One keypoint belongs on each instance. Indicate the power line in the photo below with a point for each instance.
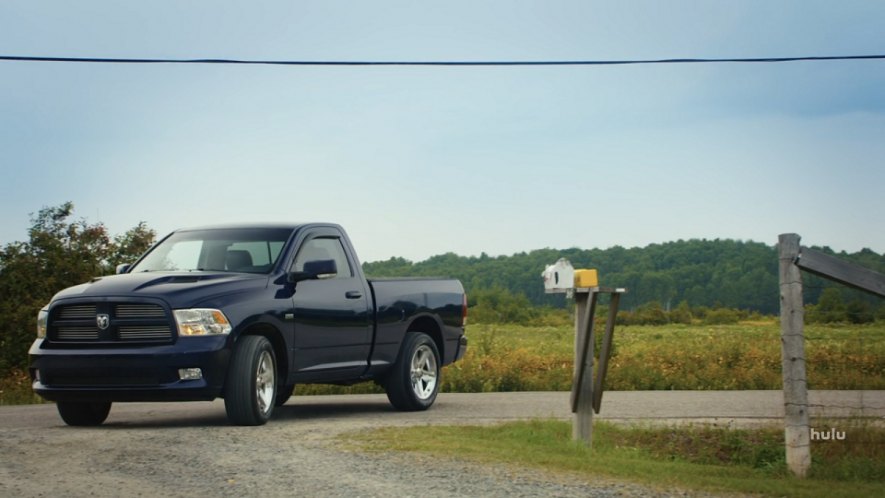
(106, 60)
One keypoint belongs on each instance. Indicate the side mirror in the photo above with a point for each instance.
(314, 270)
(123, 268)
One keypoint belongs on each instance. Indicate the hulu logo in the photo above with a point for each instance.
(830, 435)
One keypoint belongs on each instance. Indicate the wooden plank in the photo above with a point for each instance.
(582, 302)
(601, 290)
(583, 342)
(841, 271)
(582, 424)
(796, 428)
(605, 351)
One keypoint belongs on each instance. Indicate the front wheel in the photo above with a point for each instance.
(413, 382)
(251, 382)
(83, 414)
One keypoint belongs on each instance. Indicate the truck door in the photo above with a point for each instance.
(333, 322)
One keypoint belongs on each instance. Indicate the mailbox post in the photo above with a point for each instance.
(587, 387)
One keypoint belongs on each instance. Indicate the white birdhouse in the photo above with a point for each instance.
(559, 277)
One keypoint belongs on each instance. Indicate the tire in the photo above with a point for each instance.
(283, 394)
(251, 386)
(83, 414)
(413, 382)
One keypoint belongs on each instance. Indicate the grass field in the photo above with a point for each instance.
(722, 357)
(691, 357)
(687, 458)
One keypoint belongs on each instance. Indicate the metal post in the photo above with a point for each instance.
(796, 429)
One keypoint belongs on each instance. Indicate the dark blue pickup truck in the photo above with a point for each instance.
(244, 313)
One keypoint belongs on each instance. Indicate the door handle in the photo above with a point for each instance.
(353, 294)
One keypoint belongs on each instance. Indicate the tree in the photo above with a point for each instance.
(682, 314)
(132, 244)
(830, 308)
(60, 253)
(498, 305)
(858, 311)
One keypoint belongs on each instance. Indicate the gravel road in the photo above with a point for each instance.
(187, 449)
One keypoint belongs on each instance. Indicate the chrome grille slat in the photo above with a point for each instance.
(147, 332)
(139, 311)
(77, 333)
(77, 312)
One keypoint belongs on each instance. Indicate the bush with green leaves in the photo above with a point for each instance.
(60, 252)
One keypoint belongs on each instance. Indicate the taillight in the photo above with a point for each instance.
(464, 311)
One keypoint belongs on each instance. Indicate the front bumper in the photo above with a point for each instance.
(131, 373)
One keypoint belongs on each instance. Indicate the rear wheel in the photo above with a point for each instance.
(413, 382)
(251, 382)
(83, 414)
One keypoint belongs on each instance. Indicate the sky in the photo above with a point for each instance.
(419, 161)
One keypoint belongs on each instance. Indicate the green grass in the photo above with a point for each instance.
(694, 458)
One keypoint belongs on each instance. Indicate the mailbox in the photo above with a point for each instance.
(559, 277)
(586, 278)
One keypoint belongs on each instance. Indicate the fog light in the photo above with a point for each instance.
(190, 374)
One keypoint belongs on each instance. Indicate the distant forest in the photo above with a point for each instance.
(711, 273)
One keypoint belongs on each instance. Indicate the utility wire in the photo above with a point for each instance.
(105, 60)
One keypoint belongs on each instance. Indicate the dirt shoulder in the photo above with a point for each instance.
(178, 449)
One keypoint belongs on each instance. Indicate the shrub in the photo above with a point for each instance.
(722, 316)
(498, 305)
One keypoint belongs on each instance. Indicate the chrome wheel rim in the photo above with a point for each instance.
(423, 372)
(265, 382)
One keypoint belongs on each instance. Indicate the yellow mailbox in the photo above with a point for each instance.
(586, 278)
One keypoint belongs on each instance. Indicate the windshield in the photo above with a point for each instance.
(249, 250)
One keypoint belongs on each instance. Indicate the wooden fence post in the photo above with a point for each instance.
(582, 396)
(588, 385)
(796, 429)
(605, 351)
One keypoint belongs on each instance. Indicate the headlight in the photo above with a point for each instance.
(201, 321)
(42, 318)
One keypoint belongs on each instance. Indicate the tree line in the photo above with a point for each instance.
(719, 273)
(666, 282)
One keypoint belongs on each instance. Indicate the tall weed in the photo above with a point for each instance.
(745, 356)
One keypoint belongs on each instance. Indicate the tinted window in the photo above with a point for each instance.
(250, 250)
(324, 248)
(262, 252)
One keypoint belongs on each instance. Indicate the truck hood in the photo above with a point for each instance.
(178, 289)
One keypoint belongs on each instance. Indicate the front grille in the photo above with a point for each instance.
(125, 322)
(77, 333)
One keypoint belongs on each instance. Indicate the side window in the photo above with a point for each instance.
(324, 248)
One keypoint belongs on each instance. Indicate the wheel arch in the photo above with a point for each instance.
(275, 337)
(428, 325)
